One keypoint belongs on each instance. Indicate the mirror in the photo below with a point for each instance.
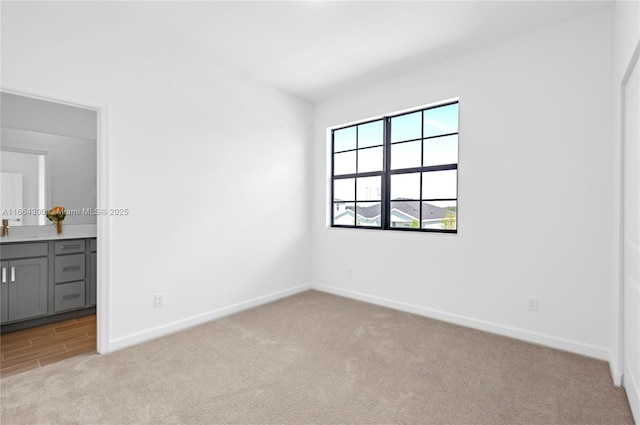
(24, 185)
(47, 158)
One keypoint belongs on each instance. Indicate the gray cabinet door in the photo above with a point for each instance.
(93, 279)
(69, 268)
(69, 247)
(69, 296)
(4, 292)
(27, 288)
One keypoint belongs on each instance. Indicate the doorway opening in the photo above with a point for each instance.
(49, 299)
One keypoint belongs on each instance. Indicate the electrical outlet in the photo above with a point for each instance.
(532, 304)
(158, 300)
(349, 273)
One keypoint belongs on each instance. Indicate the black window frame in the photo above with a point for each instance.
(386, 172)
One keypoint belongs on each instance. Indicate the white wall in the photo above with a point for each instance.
(535, 199)
(27, 113)
(212, 166)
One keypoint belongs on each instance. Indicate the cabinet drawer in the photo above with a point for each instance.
(69, 268)
(93, 246)
(24, 250)
(69, 295)
(69, 247)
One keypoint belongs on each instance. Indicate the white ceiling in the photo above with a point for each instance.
(312, 49)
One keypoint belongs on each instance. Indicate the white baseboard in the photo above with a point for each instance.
(632, 388)
(180, 325)
(616, 373)
(534, 337)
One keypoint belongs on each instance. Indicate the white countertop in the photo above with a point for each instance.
(46, 233)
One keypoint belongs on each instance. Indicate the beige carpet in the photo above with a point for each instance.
(316, 358)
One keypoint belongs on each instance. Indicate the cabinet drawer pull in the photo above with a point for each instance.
(71, 246)
(70, 296)
(13, 273)
(70, 268)
(4, 275)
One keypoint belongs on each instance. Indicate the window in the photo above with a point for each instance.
(397, 172)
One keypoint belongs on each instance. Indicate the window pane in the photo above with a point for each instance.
(344, 189)
(439, 215)
(406, 127)
(405, 155)
(344, 163)
(441, 150)
(343, 213)
(370, 134)
(368, 214)
(405, 214)
(439, 184)
(441, 120)
(386, 164)
(344, 139)
(368, 188)
(405, 186)
(370, 159)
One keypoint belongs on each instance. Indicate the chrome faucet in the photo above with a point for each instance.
(5, 228)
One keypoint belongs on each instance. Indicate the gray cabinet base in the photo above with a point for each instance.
(45, 320)
(55, 280)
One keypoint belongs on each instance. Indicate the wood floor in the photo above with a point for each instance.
(35, 347)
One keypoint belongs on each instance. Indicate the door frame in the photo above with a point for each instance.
(618, 359)
(103, 307)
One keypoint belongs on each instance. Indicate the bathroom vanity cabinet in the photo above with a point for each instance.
(46, 281)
